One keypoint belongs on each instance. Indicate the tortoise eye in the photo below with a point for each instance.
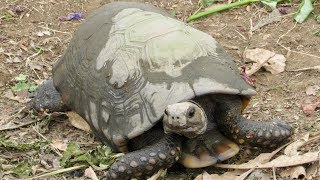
(191, 113)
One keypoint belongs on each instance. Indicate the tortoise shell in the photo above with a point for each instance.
(128, 61)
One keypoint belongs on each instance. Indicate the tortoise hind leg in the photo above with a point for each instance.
(147, 161)
(256, 133)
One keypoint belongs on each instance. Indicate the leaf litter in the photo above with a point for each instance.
(292, 159)
(272, 62)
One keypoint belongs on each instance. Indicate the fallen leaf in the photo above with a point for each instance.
(59, 144)
(274, 16)
(304, 10)
(72, 16)
(309, 108)
(292, 149)
(156, 176)
(272, 62)
(77, 121)
(281, 161)
(276, 64)
(89, 173)
(233, 175)
(312, 90)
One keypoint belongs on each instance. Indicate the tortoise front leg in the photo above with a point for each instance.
(147, 161)
(256, 133)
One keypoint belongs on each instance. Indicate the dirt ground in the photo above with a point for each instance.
(38, 27)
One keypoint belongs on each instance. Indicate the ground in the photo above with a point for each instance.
(33, 40)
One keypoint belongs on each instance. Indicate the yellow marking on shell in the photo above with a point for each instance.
(241, 141)
(237, 130)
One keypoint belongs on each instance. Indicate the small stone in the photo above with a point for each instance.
(152, 154)
(152, 161)
(133, 164)
(162, 156)
(139, 174)
(172, 152)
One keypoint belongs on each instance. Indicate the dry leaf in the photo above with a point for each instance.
(59, 144)
(312, 90)
(294, 159)
(292, 149)
(272, 62)
(233, 175)
(281, 161)
(274, 16)
(89, 173)
(276, 64)
(157, 175)
(77, 121)
(309, 108)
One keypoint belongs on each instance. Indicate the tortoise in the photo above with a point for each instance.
(157, 89)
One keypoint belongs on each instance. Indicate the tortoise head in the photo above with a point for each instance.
(185, 118)
(48, 98)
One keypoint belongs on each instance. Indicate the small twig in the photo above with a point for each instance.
(54, 148)
(32, 56)
(60, 171)
(306, 69)
(36, 74)
(17, 126)
(288, 49)
(243, 37)
(274, 173)
(244, 175)
(14, 115)
(156, 175)
(53, 30)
